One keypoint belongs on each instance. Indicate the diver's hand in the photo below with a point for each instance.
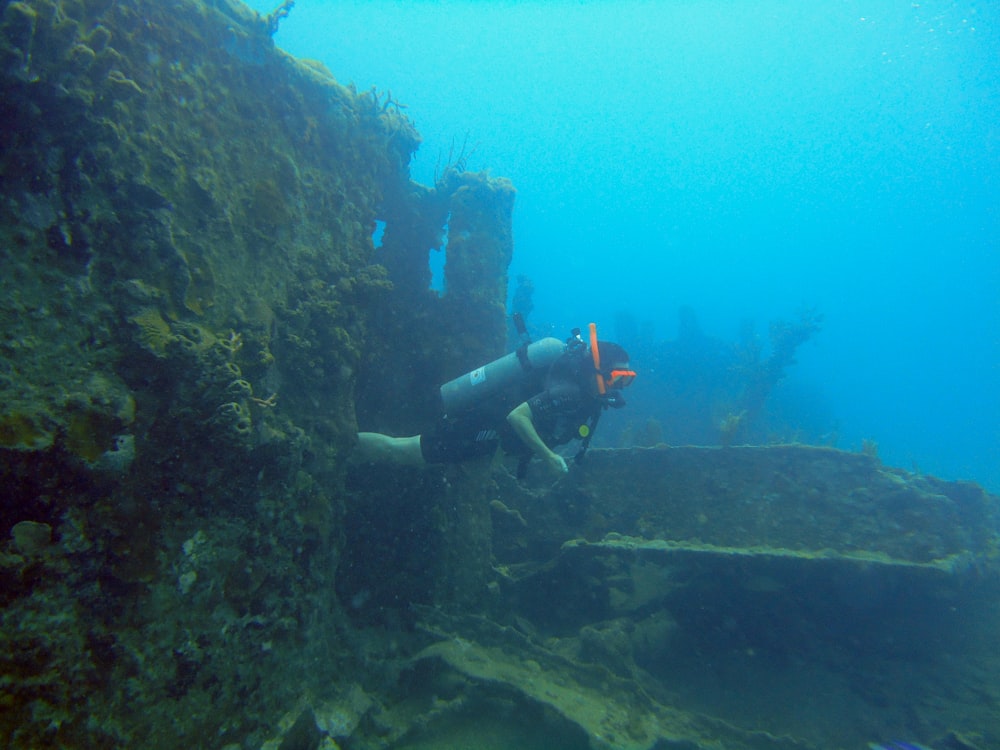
(557, 463)
(523, 424)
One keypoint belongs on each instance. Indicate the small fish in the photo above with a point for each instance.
(897, 746)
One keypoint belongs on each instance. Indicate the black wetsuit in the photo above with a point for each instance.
(561, 400)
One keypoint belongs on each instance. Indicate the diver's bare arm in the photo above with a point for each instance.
(524, 427)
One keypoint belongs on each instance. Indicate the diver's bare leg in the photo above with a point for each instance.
(374, 447)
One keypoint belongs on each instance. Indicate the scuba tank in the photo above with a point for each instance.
(473, 387)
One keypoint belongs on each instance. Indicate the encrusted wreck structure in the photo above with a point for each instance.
(196, 320)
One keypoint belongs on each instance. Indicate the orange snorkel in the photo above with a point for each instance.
(595, 354)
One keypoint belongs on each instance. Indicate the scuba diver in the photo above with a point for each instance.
(541, 396)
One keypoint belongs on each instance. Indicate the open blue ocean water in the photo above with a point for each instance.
(748, 160)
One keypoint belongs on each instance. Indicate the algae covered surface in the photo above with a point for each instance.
(196, 319)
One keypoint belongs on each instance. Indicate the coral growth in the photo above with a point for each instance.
(184, 292)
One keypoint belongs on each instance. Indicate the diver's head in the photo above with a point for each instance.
(615, 369)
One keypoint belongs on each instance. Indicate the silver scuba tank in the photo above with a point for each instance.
(472, 387)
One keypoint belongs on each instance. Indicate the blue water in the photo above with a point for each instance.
(747, 159)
